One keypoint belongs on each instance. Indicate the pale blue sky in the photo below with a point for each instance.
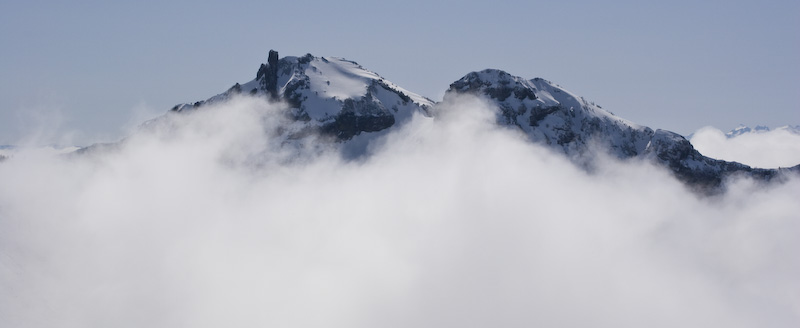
(83, 71)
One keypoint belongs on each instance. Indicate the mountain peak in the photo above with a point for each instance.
(568, 123)
(330, 94)
(495, 83)
(552, 115)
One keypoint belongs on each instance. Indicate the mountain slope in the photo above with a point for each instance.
(553, 116)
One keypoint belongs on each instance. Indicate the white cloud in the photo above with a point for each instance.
(776, 148)
(450, 222)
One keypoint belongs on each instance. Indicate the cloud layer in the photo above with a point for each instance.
(449, 222)
(772, 149)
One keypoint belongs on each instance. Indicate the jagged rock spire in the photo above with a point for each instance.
(268, 75)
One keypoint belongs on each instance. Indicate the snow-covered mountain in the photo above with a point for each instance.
(554, 116)
(330, 95)
(743, 129)
(338, 98)
(551, 115)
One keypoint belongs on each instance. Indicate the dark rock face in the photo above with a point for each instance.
(235, 89)
(701, 172)
(268, 75)
(347, 125)
(539, 113)
(291, 92)
(504, 86)
(361, 115)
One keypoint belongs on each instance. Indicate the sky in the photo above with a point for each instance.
(80, 72)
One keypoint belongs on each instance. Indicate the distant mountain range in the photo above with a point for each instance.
(350, 105)
(743, 129)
